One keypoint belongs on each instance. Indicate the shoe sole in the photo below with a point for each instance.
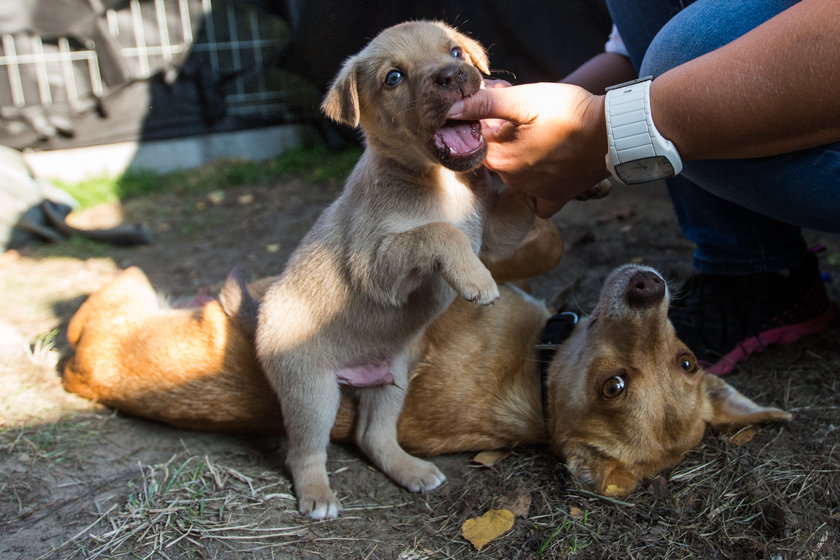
(784, 336)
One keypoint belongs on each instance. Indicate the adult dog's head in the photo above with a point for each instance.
(400, 87)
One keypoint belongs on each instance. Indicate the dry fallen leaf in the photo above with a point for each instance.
(518, 502)
(216, 197)
(246, 198)
(489, 458)
(575, 512)
(743, 437)
(481, 530)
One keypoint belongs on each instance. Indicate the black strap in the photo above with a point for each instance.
(557, 329)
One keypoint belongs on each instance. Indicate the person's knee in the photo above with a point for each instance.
(703, 27)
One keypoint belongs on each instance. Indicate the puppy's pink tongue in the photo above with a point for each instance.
(459, 137)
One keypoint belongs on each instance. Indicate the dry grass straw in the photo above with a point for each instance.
(188, 505)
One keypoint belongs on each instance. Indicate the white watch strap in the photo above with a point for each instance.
(632, 134)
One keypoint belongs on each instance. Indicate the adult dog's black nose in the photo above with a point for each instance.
(644, 288)
(450, 76)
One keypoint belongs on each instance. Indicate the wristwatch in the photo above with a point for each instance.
(637, 152)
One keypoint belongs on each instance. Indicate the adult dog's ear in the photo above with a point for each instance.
(729, 409)
(341, 103)
(477, 53)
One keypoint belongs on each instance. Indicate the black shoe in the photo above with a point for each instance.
(725, 319)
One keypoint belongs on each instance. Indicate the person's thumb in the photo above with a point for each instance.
(493, 103)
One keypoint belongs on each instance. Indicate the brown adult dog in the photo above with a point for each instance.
(388, 256)
(624, 396)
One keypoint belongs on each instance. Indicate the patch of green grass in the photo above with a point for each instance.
(57, 442)
(571, 528)
(75, 247)
(315, 163)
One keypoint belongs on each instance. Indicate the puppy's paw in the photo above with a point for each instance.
(479, 287)
(318, 504)
(417, 475)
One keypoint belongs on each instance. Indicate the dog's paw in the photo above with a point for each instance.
(417, 475)
(319, 505)
(480, 288)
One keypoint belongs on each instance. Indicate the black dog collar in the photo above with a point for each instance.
(557, 329)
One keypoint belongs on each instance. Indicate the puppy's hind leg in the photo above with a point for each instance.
(310, 402)
(376, 433)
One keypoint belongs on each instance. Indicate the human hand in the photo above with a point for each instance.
(551, 142)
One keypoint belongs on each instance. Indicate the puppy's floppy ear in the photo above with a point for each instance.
(341, 103)
(476, 52)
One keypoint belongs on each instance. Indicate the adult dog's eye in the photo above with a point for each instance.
(687, 362)
(456, 52)
(613, 387)
(393, 78)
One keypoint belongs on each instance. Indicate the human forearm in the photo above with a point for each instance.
(771, 91)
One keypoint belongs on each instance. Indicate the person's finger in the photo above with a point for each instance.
(497, 130)
(493, 103)
(495, 83)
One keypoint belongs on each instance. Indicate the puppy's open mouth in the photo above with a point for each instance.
(459, 144)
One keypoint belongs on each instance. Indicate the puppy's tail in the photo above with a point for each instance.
(238, 302)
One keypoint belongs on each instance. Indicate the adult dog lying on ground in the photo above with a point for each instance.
(388, 256)
(623, 398)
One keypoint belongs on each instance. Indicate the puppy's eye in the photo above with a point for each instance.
(613, 387)
(687, 362)
(456, 52)
(393, 78)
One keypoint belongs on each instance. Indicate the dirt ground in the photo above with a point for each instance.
(80, 481)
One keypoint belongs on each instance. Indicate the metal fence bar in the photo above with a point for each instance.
(96, 86)
(42, 76)
(139, 37)
(256, 51)
(19, 59)
(15, 83)
(163, 30)
(238, 43)
(66, 61)
(233, 33)
(210, 26)
(186, 21)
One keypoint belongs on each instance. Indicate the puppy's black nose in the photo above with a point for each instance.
(451, 75)
(644, 288)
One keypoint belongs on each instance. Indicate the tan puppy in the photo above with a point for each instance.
(624, 399)
(388, 256)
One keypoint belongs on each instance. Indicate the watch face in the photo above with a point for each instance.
(644, 170)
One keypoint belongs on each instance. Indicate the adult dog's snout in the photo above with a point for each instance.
(644, 288)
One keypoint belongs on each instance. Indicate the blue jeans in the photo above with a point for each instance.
(743, 215)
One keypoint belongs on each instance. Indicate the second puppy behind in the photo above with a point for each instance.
(388, 256)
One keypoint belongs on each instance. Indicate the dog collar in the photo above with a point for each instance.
(557, 329)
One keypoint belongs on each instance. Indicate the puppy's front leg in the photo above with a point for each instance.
(376, 433)
(404, 260)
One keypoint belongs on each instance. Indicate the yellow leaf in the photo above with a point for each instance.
(489, 458)
(575, 512)
(493, 524)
